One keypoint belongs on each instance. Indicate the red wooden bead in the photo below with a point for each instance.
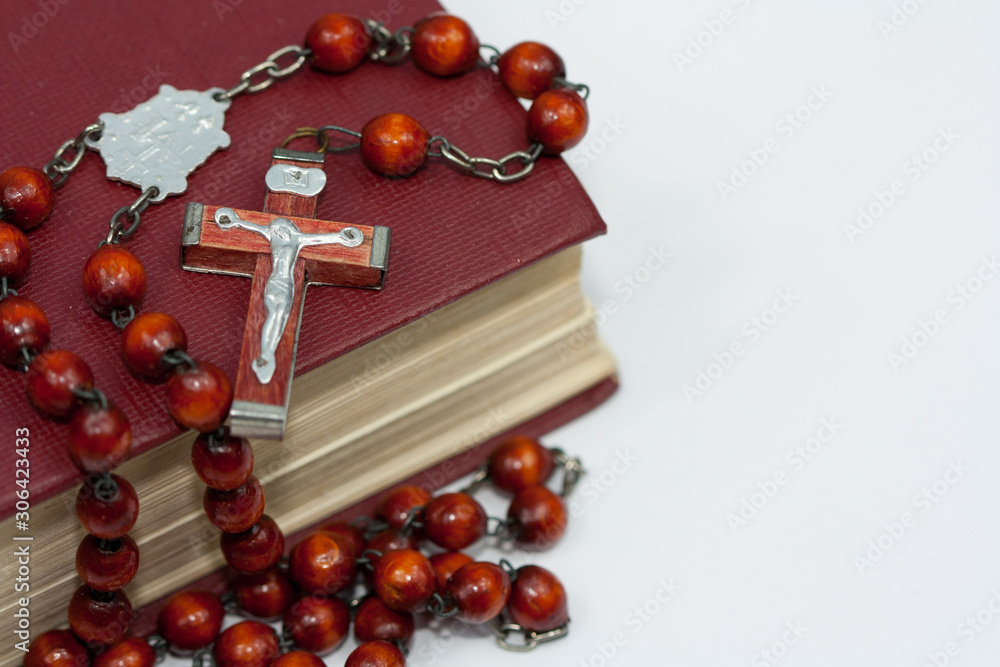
(322, 563)
(15, 254)
(107, 517)
(539, 515)
(255, 550)
(390, 539)
(374, 620)
(99, 438)
(298, 659)
(237, 510)
(446, 563)
(191, 619)
(56, 648)
(200, 397)
(146, 339)
(339, 42)
(396, 505)
(376, 654)
(537, 600)
(404, 580)
(22, 325)
(444, 45)
(246, 644)
(52, 378)
(480, 590)
(113, 278)
(266, 595)
(394, 144)
(520, 462)
(98, 617)
(454, 520)
(348, 532)
(224, 463)
(26, 196)
(127, 652)
(318, 623)
(107, 565)
(557, 120)
(529, 69)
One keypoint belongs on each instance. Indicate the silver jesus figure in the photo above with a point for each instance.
(286, 241)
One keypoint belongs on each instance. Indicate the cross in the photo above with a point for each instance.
(284, 249)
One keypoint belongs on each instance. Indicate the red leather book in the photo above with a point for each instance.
(451, 234)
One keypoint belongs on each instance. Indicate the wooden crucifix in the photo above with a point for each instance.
(283, 249)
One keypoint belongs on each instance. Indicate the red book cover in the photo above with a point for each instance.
(65, 64)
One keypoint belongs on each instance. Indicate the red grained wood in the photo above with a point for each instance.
(347, 531)
(98, 437)
(480, 590)
(339, 43)
(445, 564)
(374, 620)
(557, 120)
(396, 506)
(520, 462)
(318, 623)
(56, 648)
(267, 595)
(191, 619)
(127, 652)
(224, 464)
(199, 397)
(529, 69)
(454, 520)
(537, 600)
(237, 510)
(15, 254)
(255, 550)
(108, 519)
(246, 644)
(376, 654)
(22, 324)
(101, 618)
(146, 339)
(298, 659)
(113, 278)
(404, 580)
(107, 565)
(322, 563)
(394, 144)
(26, 196)
(444, 45)
(539, 517)
(52, 378)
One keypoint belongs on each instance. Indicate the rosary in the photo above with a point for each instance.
(283, 249)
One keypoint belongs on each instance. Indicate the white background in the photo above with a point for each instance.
(822, 553)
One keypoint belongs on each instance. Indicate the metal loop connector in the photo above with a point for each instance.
(505, 529)
(159, 645)
(492, 59)
(478, 480)
(262, 76)
(67, 158)
(442, 608)
(203, 658)
(322, 133)
(178, 358)
(5, 291)
(572, 470)
(106, 488)
(124, 229)
(581, 88)
(322, 139)
(121, 317)
(389, 48)
(92, 395)
(532, 639)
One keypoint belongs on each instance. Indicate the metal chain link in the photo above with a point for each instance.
(488, 168)
(581, 88)
(389, 48)
(572, 470)
(119, 231)
(261, 77)
(492, 59)
(532, 639)
(67, 158)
